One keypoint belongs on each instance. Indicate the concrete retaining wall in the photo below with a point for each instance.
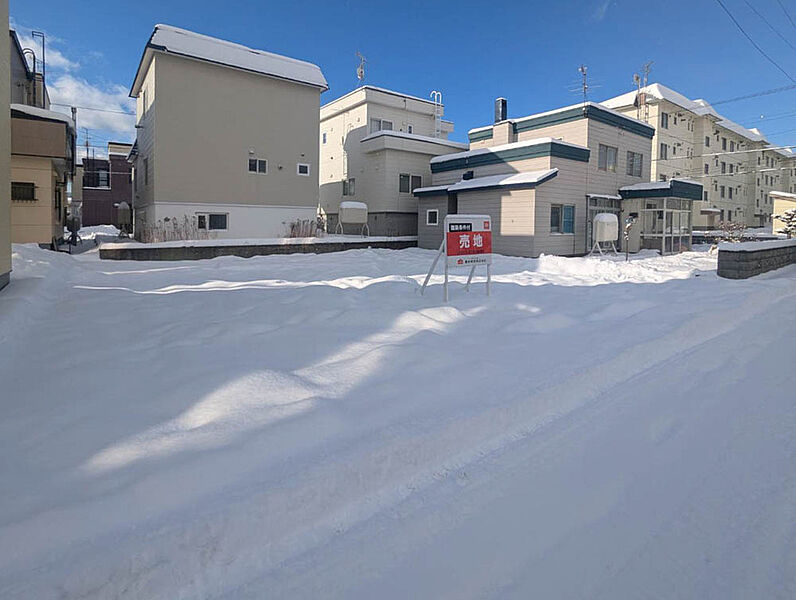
(154, 252)
(740, 261)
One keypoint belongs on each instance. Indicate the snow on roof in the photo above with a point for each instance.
(491, 149)
(605, 196)
(353, 204)
(502, 180)
(414, 136)
(563, 109)
(656, 185)
(188, 43)
(751, 246)
(785, 195)
(431, 189)
(382, 90)
(43, 113)
(698, 106)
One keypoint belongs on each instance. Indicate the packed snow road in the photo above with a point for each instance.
(310, 426)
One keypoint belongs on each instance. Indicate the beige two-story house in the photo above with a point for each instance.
(375, 147)
(227, 138)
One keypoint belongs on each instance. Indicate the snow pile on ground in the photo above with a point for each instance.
(305, 426)
(94, 232)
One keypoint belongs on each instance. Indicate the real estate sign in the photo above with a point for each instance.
(468, 240)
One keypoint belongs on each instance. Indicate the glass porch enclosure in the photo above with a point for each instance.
(666, 224)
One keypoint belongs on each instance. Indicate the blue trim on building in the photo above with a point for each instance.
(589, 111)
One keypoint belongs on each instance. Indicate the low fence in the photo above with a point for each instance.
(204, 249)
(747, 259)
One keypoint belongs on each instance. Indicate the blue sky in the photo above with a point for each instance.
(473, 52)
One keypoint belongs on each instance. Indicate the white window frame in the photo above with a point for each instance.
(608, 167)
(436, 217)
(380, 124)
(257, 170)
(298, 169)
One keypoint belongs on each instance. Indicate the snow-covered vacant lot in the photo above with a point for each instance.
(311, 427)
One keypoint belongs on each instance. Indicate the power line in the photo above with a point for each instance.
(748, 37)
(770, 26)
(787, 14)
(108, 110)
(785, 88)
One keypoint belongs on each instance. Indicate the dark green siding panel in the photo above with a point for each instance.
(480, 135)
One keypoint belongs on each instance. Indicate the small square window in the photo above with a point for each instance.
(218, 221)
(432, 217)
(201, 221)
(410, 129)
(417, 182)
(303, 169)
(324, 137)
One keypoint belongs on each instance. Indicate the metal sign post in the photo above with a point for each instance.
(466, 242)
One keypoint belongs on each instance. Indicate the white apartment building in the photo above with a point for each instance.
(227, 137)
(375, 147)
(694, 141)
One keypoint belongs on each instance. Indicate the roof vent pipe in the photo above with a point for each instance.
(501, 107)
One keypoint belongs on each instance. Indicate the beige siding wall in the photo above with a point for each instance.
(574, 132)
(512, 217)
(144, 183)
(605, 182)
(5, 151)
(35, 221)
(568, 187)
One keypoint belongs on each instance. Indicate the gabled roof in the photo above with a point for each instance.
(182, 42)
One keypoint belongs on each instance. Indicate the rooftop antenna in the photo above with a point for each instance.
(361, 68)
(436, 97)
(641, 82)
(585, 85)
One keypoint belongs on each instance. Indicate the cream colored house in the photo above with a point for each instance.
(42, 156)
(781, 201)
(693, 140)
(543, 178)
(227, 137)
(5, 154)
(375, 147)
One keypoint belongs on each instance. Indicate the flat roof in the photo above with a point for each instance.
(415, 137)
(181, 42)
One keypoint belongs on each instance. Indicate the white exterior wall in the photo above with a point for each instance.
(346, 121)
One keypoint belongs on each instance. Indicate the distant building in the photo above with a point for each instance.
(227, 136)
(5, 155)
(375, 147)
(42, 156)
(736, 165)
(543, 178)
(105, 183)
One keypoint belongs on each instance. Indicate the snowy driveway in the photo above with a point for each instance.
(310, 426)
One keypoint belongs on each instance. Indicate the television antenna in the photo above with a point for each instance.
(361, 68)
(585, 84)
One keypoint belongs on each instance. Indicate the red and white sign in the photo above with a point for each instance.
(468, 240)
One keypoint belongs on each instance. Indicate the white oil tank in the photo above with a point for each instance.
(353, 213)
(606, 228)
